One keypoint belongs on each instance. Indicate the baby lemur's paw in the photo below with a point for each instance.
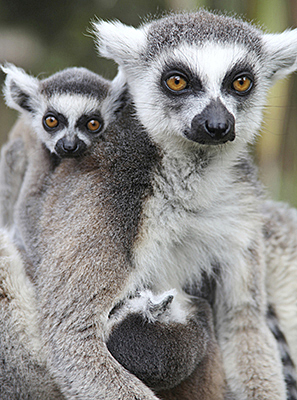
(156, 308)
(152, 307)
(163, 307)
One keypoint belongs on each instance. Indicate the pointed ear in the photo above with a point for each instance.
(121, 43)
(281, 53)
(20, 89)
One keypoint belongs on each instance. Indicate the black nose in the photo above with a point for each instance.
(217, 129)
(70, 147)
(215, 125)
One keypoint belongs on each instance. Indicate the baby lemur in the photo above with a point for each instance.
(66, 122)
(71, 101)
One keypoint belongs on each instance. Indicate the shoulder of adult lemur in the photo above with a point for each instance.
(199, 83)
(42, 178)
(23, 370)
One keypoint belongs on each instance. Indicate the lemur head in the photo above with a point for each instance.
(68, 110)
(199, 77)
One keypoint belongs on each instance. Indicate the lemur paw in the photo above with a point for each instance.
(162, 307)
(154, 307)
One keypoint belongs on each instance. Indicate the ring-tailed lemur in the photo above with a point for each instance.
(89, 192)
(200, 350)
(199, 83)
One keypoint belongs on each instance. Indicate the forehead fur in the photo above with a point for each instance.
(77, 81)
(198, 27)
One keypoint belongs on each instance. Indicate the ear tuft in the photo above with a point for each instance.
(282, 53)
(119, 42)
(20, 89)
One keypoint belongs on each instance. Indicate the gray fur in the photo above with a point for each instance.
(289, 369)
(23, 371)
(13, 164)
(82, 366)
(76, 81)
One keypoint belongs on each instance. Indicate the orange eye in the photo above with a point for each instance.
(176, 83)
(51, 122)
(242, 84)
(93, 125)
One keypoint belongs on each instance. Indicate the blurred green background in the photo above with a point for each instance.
(44, 37)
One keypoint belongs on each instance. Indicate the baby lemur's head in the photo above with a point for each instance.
(199, 78)
(68, 110)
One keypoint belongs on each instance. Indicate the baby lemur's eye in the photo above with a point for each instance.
(242, 84)
(50, 121)
(93, 125)
(176, 83)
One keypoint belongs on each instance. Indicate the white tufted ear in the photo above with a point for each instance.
(119, 42)
(281, 53)
(20, 89)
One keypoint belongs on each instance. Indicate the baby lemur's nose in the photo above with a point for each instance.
(214, 125)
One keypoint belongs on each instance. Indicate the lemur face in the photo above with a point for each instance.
(206, 95)
(200, 78)
(69, 124)
(65, 110)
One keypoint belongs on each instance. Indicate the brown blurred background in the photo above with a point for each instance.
(46, 36)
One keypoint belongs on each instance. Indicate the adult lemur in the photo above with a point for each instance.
(162, 206)
(198, 82)
(58, 112)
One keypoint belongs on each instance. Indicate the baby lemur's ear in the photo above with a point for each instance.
(20, 89)
(281, 53)
(119, 42)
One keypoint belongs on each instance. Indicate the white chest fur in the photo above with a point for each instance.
(200, 216)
